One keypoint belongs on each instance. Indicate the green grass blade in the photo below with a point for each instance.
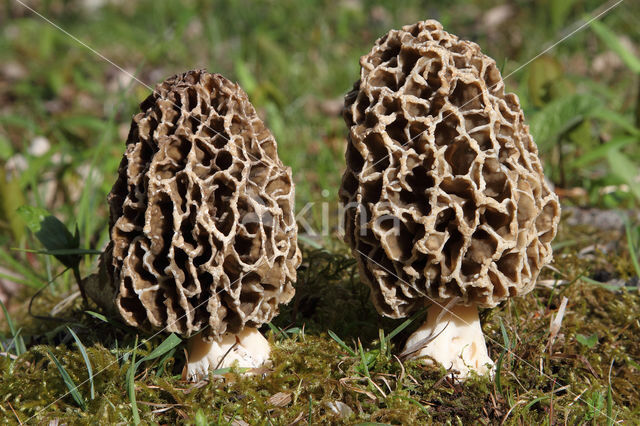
(83, 351)
(363, 360)
(607, 286)
(412, 401)
(68, 381)
(163, 348)
(340, 342)
(625, 169)
(131, 385)
(558, 116)
(226, 370)
(505, 336)
(162, 362)
(612, 41)
(167, 344)
(90, 190)
(372, 424)
(12, 327)
(18, 340)
(17, 280)
(608, 116)
(610, 399)
(16, 266)
(277, 330)
(601, 151)
(632, 248)
(498, 379)
(405, 324)
(534, 401)
(59, 252)
(383, 341)
(97, 315)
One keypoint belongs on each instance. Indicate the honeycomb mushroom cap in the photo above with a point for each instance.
(443, 187)
(201, 216)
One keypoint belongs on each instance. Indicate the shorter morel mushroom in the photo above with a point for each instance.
(203, 235)
(445, 199)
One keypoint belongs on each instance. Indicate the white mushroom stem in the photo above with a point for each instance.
(452, 336)
(249, 348)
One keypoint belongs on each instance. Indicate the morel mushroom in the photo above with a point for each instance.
(445, 199)
(203, 235)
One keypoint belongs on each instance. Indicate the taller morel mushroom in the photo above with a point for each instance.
(445, 199)
(203, 234)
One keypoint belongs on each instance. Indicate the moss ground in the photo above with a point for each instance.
(591, 370)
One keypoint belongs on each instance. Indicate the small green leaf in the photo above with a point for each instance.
(33, 216)
(68, 381)
(589, 342)
(293, 330)
(52, 233)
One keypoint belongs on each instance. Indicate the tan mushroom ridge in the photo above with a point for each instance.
(203, 235)
(445, 198)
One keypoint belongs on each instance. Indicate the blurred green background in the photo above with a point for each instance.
(65, 111)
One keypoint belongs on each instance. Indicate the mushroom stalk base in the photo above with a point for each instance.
(249, 348)
(452, 337)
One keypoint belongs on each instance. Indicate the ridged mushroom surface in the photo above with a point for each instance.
(202, 221)
(443, 186)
